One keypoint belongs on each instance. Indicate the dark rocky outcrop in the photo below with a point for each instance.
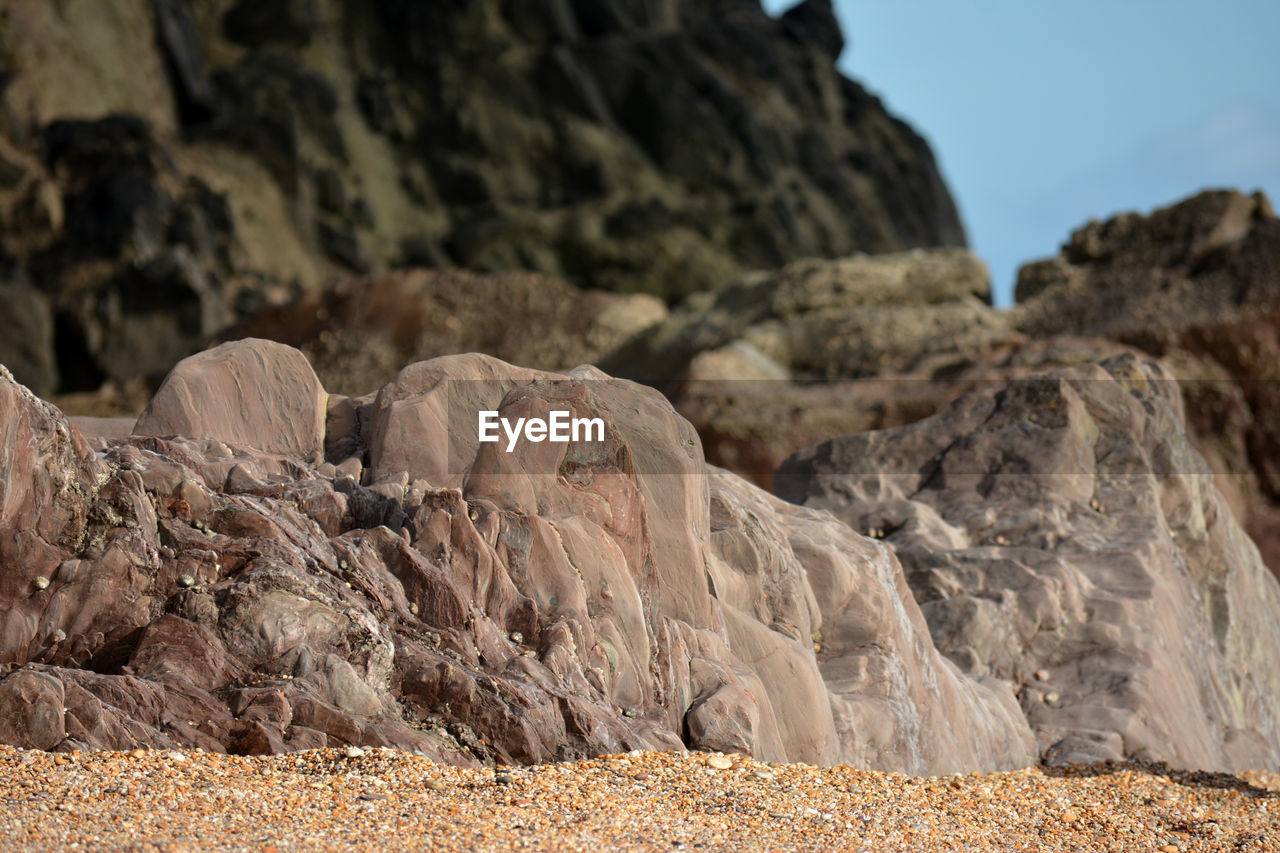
(1060, 532)
(441, 595)
(171, 167)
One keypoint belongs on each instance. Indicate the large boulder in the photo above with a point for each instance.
(464, 601)
(252, 392)
(1061, 532)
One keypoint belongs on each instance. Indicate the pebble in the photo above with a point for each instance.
(316, 800)
(1042, 675)
(41, 582)
(186, 581)
(719, 762)
(353, 752)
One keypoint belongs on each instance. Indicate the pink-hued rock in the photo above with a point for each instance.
(250, 392)
(478, 605)
(1061, 532)
(76, 537)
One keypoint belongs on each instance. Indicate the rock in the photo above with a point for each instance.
(180, 42)
(251, 392)
(1203, 260)
(172, 169)
(31, 710)
(814, 22)
(1193, 284)
(28, 349)
(254, 23)
(359, 333)
(853, 317)
(657, 603)
(1063, 522)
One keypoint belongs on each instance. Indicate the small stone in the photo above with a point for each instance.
(138, 753)
(41, 582)
(1002, 540)
(413, 607)
(59, 635)
(503, 779)
(1052, 697)
(186, 581)
(517, 637)
(342, 564)
(1070, 816)
(1042, 674)
(719, 762)
(174, 755)
(353, 752)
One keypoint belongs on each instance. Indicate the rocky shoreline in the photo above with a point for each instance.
(854, 558)
(259, 566)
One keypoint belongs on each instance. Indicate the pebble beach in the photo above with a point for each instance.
(375, 799)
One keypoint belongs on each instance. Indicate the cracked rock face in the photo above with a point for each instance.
(1060, 532)
(425, 591)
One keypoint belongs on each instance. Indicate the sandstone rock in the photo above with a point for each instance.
(1063, 522)
(852, 317)
(560, 600)
(251, 392)
(31, 710)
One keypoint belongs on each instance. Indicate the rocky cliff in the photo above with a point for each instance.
(170, 167)
(208, 581)
(257, 566)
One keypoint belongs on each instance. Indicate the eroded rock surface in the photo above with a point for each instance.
(453, 598)
(1060, 531)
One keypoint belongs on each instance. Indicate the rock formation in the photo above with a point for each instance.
(423, 590)
(778, 360)
(171, 167)
(1060, 532)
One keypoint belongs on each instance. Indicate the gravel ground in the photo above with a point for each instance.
(373, 799)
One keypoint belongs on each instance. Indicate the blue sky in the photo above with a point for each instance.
(1046, 113)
